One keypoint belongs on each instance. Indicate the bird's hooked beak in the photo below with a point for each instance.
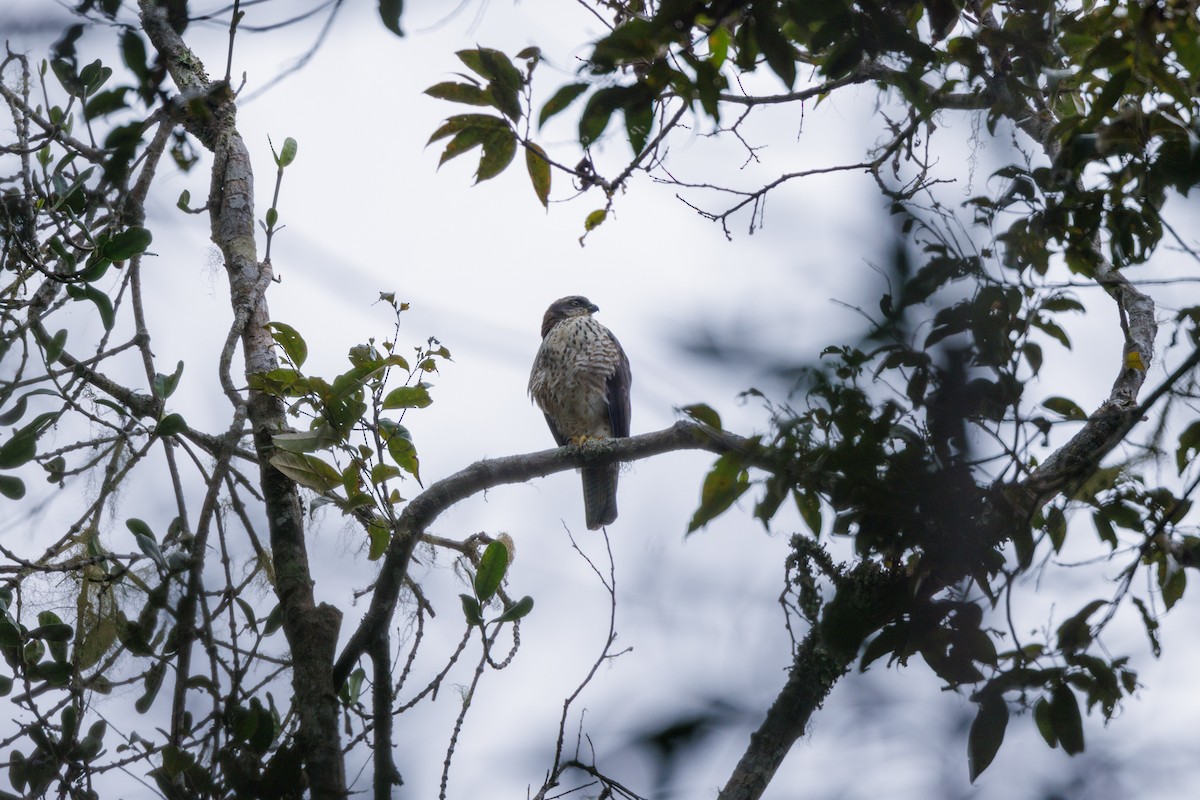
(592, 308)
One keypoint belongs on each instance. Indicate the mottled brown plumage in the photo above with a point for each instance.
(580, 380)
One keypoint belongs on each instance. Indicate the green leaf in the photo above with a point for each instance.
(599, 109)
(1045, 726)
(493, 65)
(492, 566)
(127, 244)
(539, 172)
(475, 130)
(408, 397)
(560, 100)
(48, 618)
(499, 149)
(465, 122)
(150, 547)
(10, 635)
(306, 470)
(809, 506)
(987, 732)
(151, 683)
(704, 414)
(274, 620)
(176, 760)
(170, 425)
(12, 487)
(470, 607)
(1172, 580)
(64, 192)
(1151, 625)
(1104, 528)
(724, 484)
(1108, 97)
(1053, 329)
(389, 12)
(352, 690)
(1062, 302)
(164, 385)
(1189, 445)
(507, 100)
(456, 92)
(1065, 407)
(380, 535)
(33, 651)
(133, 53)
(1056, 528)
(638, 40)
(718, 46)
(94, 75)
(65, 72)
(639, 119)
(595, 219)
(462, 142)
(517, 610)
(106, 103)
(56, 673)
(400, 447)
(90, 746)
(54, 632)
(265, 731)
(18, 410)
(54, 347)
(290, 340)
(1033, 355)
(1075, 633)
(103, 303)
(22, 447)
(382, 472)
(319, 438)
(287, 153)
(1066, 720)
(780, 54)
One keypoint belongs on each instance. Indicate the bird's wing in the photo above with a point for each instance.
(554, 431)
(618, 391)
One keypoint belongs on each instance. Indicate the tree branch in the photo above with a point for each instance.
(420, 513)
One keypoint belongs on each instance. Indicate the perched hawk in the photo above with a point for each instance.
(580, 380)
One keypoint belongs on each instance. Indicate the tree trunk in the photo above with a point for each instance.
(311, 630)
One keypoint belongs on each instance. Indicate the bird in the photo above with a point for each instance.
(580, 380)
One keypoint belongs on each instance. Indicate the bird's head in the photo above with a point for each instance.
(566, 307)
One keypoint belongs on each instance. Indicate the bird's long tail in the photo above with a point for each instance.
(600, 495)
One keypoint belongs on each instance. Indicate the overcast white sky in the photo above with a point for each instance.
(367, 210)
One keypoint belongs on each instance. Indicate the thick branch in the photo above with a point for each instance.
(809, 682)
(492, 472)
